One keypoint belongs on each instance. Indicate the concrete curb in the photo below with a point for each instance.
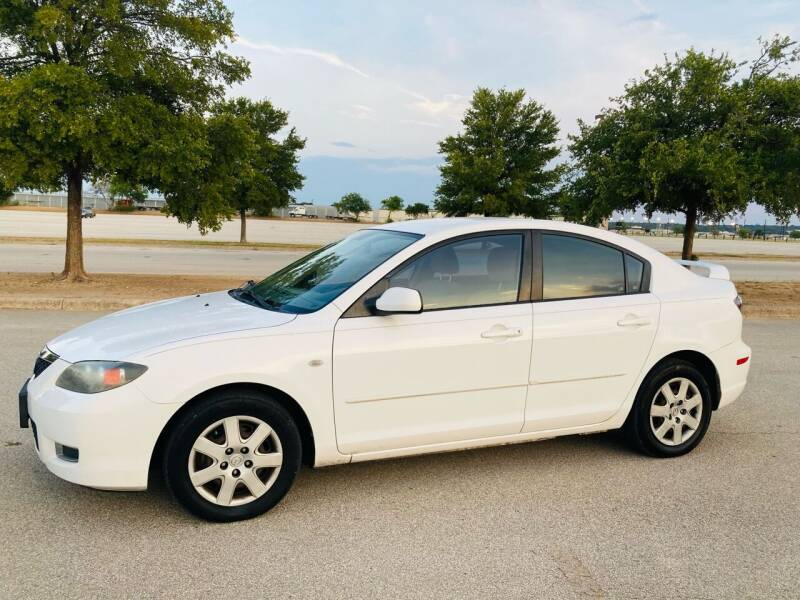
(69, 304)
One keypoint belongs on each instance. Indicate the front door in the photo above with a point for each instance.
(456, 371)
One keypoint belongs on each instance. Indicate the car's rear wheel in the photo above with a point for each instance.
(671, 412)
(232, 456)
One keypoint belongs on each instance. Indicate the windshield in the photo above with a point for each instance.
(314, 280)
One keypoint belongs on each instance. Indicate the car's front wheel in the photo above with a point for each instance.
(232, 456)
(671, 412)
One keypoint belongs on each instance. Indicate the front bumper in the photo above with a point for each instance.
(732, 376)
(115, 432)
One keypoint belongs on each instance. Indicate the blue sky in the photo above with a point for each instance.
(375, 85)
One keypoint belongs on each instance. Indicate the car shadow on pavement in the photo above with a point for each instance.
(330, 489)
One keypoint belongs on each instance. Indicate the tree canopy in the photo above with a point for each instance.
(689, 137)
(417, 209)
(97, 88)
(352, 204)
(119, 189)
(248, 168)
(392, 204)
(499, 163)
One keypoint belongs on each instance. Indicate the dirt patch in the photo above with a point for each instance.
(770, 299)
(109, 291)
(712, 256)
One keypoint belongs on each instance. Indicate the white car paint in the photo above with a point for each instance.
(382, 386)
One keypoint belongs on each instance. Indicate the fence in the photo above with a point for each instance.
(89, 201)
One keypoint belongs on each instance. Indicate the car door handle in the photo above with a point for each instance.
(633, 321)
(499, 331)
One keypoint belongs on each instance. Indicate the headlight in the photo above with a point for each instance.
(93, 376)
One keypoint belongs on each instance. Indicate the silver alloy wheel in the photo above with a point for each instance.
(676, 411)
(235, 460)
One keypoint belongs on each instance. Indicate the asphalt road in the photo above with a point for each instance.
(568, 518)
(301, 231)
(47, 258)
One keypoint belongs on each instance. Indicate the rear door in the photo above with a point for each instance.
(594, 323)
(456, 371)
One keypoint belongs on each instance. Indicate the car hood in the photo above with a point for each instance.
(122, 334)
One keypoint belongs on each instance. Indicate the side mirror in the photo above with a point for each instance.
(399, 300)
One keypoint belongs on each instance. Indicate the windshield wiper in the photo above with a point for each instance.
(246, 291)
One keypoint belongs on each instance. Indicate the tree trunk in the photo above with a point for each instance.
(688, 233)
(243, 229)
(73, 260)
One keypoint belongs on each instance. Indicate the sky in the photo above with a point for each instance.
(374, 86)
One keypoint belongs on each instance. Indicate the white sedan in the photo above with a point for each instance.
(413, 337)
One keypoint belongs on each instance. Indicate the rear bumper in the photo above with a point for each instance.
(115, 432)
(732, 372)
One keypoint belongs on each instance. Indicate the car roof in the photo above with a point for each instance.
(451, 226)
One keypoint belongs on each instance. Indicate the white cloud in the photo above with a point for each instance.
(450, 105)
(325, 57)
(359, 111)
(420, 123)
(403, 88)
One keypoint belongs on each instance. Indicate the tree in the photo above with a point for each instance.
(771, 128)
(680, 140)
(250, 169)
(352, 204)
(392, 203)
(5, 193)
(417, 209)
(119, 189)
(621, 226)
(498, 164)
(98, 88)
(795, 234)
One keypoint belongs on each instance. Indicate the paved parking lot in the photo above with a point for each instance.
(569, 518)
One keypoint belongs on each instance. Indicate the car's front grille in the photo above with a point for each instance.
(44, 360)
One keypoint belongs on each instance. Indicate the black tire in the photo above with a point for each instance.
(195, 420)
(637, 428)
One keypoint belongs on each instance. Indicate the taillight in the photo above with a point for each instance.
(738, 302)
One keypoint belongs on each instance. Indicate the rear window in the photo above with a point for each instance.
(634, 270)
(578, 268)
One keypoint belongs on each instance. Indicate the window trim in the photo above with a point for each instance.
(362, 306)
(538, 269)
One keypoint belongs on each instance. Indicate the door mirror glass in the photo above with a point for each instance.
(399, 300)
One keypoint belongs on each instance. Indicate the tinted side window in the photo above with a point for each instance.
(578, 268)
(634, 269)
(472, 272)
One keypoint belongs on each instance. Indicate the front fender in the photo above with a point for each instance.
(298, 364)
